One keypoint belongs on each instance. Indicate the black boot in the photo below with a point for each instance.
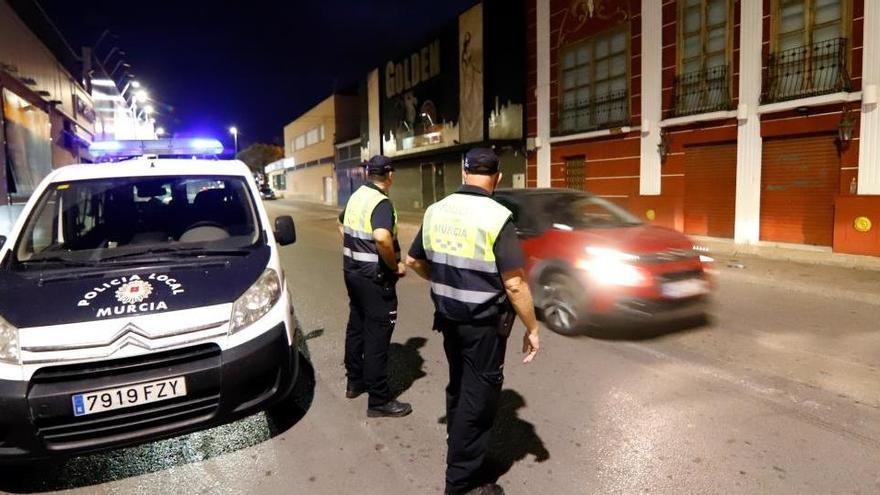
(391, 409)
(353, 390)
(487, 489)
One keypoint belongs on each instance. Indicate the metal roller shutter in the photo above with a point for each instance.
(799, 181)
(710, 189)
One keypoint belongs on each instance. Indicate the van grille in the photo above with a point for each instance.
(114, 367)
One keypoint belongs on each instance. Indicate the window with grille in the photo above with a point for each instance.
(575, 173)
(593, 83)
(703, 80)
(810, 54)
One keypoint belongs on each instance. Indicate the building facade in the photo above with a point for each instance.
(47, 118)
(752, 120)
(310, 153)
(460, 88)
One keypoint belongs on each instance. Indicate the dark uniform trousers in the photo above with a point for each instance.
(475, 352)
(373, 313)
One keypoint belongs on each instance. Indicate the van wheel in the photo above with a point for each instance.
(287, 412)
(562, 305)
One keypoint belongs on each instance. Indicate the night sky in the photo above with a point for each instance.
(254, 64)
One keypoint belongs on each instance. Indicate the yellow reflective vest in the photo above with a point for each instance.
(459, 234)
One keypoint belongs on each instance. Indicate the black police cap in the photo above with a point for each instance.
(481, 161)
(379, 164)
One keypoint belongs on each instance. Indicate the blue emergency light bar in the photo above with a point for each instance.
(160, 147)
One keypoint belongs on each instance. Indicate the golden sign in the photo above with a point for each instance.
(862, 224)
(651, 215)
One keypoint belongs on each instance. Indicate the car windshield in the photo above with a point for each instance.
(585, 212)
(96, 221)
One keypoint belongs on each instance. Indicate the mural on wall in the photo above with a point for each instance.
(580, 16)
(506, 121)
(28, 143)
(420, 98)
(470, 47)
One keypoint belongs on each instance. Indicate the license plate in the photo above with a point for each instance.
(684, 288)
(129, 396)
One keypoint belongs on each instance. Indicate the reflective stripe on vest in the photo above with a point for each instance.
(358, 256)
(357, 227)
(459, 234)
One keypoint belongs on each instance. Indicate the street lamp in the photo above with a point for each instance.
(234, 131)
(141, 96)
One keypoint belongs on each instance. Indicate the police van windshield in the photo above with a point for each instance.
(106, 220)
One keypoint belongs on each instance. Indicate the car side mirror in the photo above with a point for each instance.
(285, 231)
(2, 240)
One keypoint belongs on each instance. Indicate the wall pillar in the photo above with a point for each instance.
(651, 97)
(542, 92)
(749, 145)
(869, 136)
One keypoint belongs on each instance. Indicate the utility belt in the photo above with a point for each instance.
(503, 322)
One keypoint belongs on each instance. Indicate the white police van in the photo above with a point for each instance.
(141, 299)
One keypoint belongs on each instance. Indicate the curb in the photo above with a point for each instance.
(807, 255)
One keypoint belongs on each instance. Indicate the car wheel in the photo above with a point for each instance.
(562, 306)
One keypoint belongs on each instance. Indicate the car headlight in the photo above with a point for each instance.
(703, 252)
(612, 267)
(10, 351)
(256, 301)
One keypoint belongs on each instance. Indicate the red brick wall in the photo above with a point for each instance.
(612, 164)
(846, 238)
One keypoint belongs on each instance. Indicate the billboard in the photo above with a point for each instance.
(419, 97)
(28, 144)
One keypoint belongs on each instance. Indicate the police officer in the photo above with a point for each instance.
(468, 250)
(371, 262)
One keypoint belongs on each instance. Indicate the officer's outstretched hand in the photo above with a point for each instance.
(531, 343)
(401, 270)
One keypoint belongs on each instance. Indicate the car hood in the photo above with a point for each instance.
(640, 240)
(34, 300)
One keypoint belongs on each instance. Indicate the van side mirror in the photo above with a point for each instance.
(2, 240)
(285, 231)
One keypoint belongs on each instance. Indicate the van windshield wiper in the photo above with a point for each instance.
(179, 253)
(59, 261)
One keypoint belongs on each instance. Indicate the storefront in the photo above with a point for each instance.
(46, 116)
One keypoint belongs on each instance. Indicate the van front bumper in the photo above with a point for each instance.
(37, 421)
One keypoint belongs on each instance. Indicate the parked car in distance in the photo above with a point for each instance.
(266, 192)
(591, 263)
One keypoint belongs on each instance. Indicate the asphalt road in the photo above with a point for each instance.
(780, 393)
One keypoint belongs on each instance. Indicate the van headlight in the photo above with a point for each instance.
(10, 352)
(256, 301)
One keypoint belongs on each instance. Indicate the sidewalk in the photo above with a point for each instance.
(805, 270)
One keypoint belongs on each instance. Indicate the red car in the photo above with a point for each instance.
(592, 263)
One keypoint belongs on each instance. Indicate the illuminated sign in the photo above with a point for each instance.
(419, 67)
